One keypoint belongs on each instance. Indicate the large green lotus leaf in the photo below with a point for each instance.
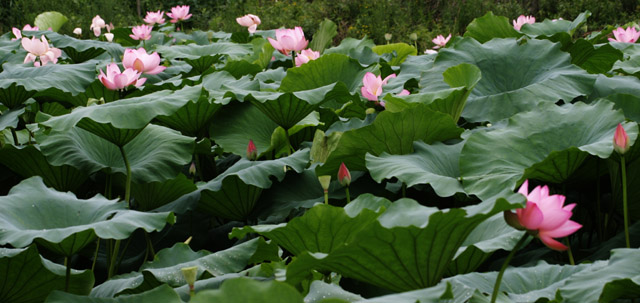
(287, 109)
(491, 235)
(357, 49)
(393, 133)
(52, 20)
(435, 164)
(152, 195)
(594, 59)
(234, 193)
(121, 121)
(193, 51)
(158, 154)
(28, 277)
(163, 293)
(408, 247)
(606, 86)
(327, 69)
(462, 78)
(242, 290)
(19, 82)
(490, 26)
(320, 291)
(551, 27)
(547, 144)
(80, 50)
(65, 224)
(400, 51)
(237, 123)
(193, 118)
(28, 161)
(323, 228)
(167, 264)
(544, 74)
(323, 37)
(629, 104)
(10, 118)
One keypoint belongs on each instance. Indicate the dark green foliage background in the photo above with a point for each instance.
(374, 18)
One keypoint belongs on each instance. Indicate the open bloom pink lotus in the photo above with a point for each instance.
(139, 60)
(306, 55)
(544, 216)
(39, 49)
(630, 35)
(372, 88)
(97, 24)
(154, 17)
(522, 19)
(141, 32)
(179, 13)
(288, 40)
(116, 80)
(440, 41)
(620, 140)
(250, 21)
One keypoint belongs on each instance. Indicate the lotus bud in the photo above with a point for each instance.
(108, 36)
(252, 151)
(413, 36)
(325, 181)
(77, 31)
(190, 274)
(620, 140)
(344, 176)
(388, 37)
(192, 169)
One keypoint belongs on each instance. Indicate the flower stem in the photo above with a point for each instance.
(346, 189)
(293, 58)
(15, 136)
(114, 259)
(67, 279)
(95, 256)
(127, 188)
(496, 287)
(571, 260)
(326, 196)
(624, 200)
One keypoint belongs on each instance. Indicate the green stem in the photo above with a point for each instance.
(496, 287)
(404, 190)
(346, 189)
(114, 260)
(127, 188)
(107, 187)
(149, 246)
(326, 197)
(624, 201)
(293, 58)
(15, 136)
(67, 278)
(126, 246)
(598, 206)
(290, 148)
(95, 256)
(571, 260)
(198, 167)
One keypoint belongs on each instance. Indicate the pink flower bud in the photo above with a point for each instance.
(620, 140)
(344, 176)
(252, 151)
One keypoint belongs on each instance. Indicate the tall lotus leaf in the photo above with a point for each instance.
(52, 20)
(629, 104)
(163, 293)
(28, 277)
(320, 291)
(393, 133)
(548, 144)
(606, 86)
(327, 69)
(435, 164)
(550, 27)
(65, 224)
(202, 57)
(193, 118)
(17, 81)
(10, 118)
(357, 49)
(152, 195)
(243, 290)
(121, 121)
(158, 154)
(408, 247)
(167, 264)
(240, 68)
(81, 50)
(594, 59)
(28, 161)
(462, 78)
(323, 37)
(544, 74)
(234, 193)
(489, 27)
(400, 51)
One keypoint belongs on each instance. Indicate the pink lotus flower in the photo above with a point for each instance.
(344, 176)
(372, 88)
(252, 151)
(141, 32)
(306, 55)
(250, 21)
(97, 24)
(522, 19)
(154, 17)
(179, 13)
(620, 140)
(116, 80)
(440, 41)
(544, 216)
(142, 62)
(630, 35)
(39, 49)
(28, 27)
(17, 33)
(288, 40)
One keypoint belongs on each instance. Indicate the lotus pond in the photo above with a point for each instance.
(164, 164)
